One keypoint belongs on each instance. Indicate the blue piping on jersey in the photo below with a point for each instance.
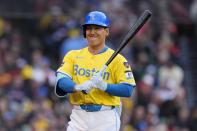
(103, 50)
(121, 90)
(61, 73)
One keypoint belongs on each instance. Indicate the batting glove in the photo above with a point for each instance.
(98, 81)
(88, 85)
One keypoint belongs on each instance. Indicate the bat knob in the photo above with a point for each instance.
(84, 92)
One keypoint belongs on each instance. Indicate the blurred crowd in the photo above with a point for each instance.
(36, 34)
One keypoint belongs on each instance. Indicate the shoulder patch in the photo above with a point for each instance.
(129, 75)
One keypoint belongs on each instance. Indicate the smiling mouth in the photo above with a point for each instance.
(93, 37)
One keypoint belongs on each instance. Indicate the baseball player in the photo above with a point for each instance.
(98, 108)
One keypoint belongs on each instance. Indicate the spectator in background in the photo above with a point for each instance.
(169, 72)
(74, 42)
(193, 119)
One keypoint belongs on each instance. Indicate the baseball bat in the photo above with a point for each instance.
(134, 29)
(132, 32)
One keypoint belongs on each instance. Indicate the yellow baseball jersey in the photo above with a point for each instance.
(81, 65)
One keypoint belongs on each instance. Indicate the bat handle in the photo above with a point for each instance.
(103, 69)
(84, 92)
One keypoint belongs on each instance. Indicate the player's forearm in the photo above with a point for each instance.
(66, 84)
(122, 90)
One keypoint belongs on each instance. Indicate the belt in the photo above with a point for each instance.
(93, 108)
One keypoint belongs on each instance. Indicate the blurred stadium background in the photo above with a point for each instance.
(35, 34)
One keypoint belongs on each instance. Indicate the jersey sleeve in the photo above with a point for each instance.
(67, 65)
(123, 71)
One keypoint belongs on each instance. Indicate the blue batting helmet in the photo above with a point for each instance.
(95, 18)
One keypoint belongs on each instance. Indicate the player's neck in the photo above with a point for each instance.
(95, 49)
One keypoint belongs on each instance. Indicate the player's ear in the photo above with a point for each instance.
(107, 30)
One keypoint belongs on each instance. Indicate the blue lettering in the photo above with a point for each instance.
(81, 72)
(75, 69)
(87, 73)
(93, 70)
(106, 75)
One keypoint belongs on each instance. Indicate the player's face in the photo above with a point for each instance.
(96, 35)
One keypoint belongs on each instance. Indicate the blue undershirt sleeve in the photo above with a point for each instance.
(66, 84)
(121, 90)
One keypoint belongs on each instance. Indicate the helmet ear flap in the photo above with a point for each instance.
(84, 31)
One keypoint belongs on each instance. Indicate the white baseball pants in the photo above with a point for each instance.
(106, 120)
